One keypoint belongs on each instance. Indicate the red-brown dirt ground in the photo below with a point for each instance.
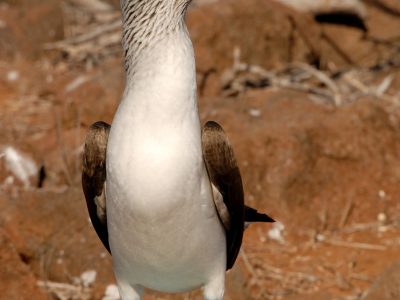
(318, 148)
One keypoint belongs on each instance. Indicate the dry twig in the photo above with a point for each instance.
(363, 246)
(65, 291)
(346, 212)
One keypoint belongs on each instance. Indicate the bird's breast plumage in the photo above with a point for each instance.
(160, 211)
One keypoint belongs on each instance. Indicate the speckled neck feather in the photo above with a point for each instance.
(146, 22)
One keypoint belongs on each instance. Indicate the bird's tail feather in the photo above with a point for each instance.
(252, 215)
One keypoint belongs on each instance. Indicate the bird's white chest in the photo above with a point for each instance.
(153, 173)
(160, 211)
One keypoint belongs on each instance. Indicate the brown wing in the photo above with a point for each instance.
(94, 176)
(225, 176)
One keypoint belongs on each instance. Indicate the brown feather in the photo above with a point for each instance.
(225, 176)
(226, 182)
(94, 176)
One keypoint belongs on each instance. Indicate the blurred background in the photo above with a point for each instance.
(308, 92)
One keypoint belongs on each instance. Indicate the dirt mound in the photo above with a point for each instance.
(304, 151)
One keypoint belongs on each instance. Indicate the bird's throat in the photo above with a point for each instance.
(146, 24)
(160, 87)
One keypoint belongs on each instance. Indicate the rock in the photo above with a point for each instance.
(261, 29)
(270, 34)
(387, 285)
(267, 34)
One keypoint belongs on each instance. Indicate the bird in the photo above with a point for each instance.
(164, 194)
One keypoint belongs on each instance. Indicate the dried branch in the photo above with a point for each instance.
(363, 246)
(355, 7)
(326, 85)
(65, 291)
(346, 212)
(92, 6)
(93, 34)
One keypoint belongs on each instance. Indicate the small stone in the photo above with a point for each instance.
(111, 293)
(12, 75)
(275, 233)
(382, 217)
(255, 113)
(320, 237)
(88, 277)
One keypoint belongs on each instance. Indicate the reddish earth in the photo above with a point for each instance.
(330, 174)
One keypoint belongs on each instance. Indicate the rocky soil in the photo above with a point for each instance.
(310, 103)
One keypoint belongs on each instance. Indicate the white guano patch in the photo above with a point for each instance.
(20, 165)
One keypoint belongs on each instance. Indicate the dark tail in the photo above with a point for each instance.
(252, 215)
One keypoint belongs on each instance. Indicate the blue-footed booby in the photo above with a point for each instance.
(165, 197)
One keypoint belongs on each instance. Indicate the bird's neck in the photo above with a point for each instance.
(159, 60)
(146, 23)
